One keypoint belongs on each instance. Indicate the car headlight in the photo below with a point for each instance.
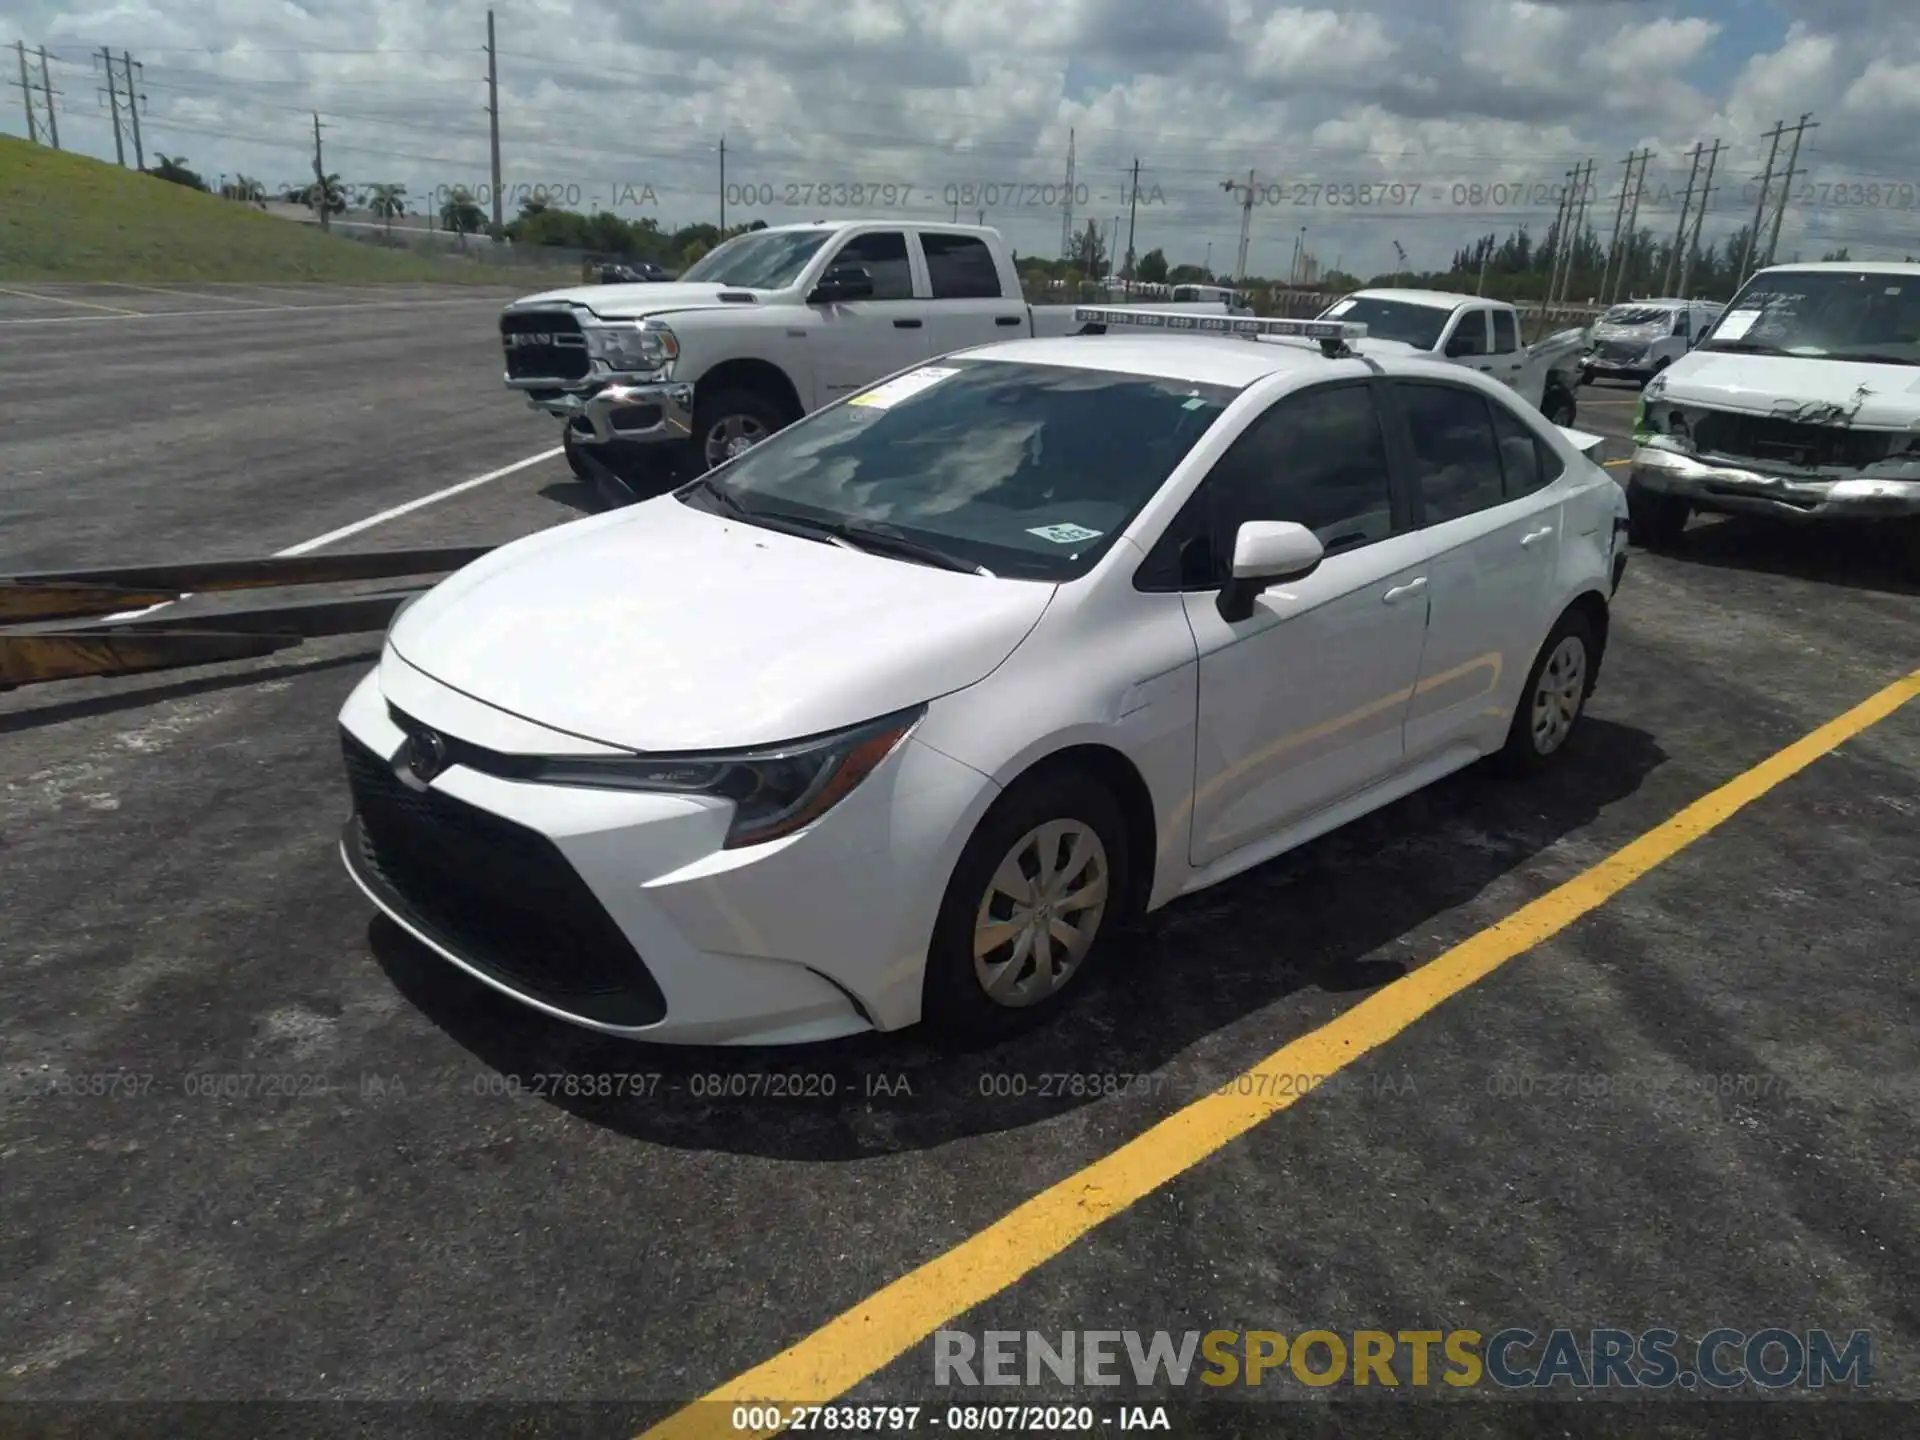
(775, 790)
(641, 345)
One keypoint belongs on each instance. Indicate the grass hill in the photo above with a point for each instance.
(69, 217)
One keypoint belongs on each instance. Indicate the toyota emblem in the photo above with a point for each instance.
(426, 755)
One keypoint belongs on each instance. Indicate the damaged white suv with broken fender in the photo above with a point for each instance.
(1802, 405)
(900, 714)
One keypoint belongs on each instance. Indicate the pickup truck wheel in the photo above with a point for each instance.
(1560, 406)
(574, 462)
(731, 422)
(1654, 521)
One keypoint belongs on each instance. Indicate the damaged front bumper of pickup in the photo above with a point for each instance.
(1737, 485)
(642, 413)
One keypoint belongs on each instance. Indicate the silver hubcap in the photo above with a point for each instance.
(1559, 695)
(1040, 914)
(733, 436)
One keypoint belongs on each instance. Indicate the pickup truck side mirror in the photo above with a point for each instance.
(1266, 552)
(842, 282)
(1461, 343)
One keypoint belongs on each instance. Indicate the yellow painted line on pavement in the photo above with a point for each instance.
(883, 1327)
(1611, 463)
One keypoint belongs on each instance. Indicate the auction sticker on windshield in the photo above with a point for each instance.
(1734, 324)
(1064, 534)
(902, 386)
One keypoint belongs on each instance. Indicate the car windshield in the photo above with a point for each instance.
(1404, 320)
(1636, 315)
(1028, 471)
(1824, 314)
(760, 260)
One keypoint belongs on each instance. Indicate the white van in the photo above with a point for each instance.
(1235, 302)
(1639, 339)
(1802, 404)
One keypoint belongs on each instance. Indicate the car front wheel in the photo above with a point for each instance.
(1030, 907)
(730, 423)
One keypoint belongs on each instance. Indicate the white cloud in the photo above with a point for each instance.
(938, 95)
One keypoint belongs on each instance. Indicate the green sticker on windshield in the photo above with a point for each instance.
(1064, 534)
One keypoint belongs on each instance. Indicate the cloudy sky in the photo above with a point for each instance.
(1421, 122)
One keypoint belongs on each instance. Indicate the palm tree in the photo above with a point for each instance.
(461, 215)
(244, 188)
(387, 201)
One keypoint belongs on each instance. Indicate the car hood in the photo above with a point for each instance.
(664, 628)
(630, 301)
(1878, 397)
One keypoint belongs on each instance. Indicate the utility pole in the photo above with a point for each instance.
(1066, 209)
(1246, 222)
(723, 185)
(133, 110)
(46, 90)
(1582, 185)
(1633, 229)
(1680, 234)
(26, 93)
(493, 124)
(1786, 184)
(113, 98)
(1620, 227)
(1766, 184)
(1699, 215)
(1133, 200)
(321, 197)
(1562, 225)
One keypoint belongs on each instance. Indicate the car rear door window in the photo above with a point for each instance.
(960, 267)
(1456, 457)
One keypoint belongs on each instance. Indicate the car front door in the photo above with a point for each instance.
(966, 306)
(1491, 518)
(856, 342)
(1302, 703)
(1467, 341)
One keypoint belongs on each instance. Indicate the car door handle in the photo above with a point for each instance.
(1006, 320)
(906, 324)
(1400, 592)
(1534, 537)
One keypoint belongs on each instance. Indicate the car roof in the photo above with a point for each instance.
(1847, 267)
(1196, 359)
(1446, 298)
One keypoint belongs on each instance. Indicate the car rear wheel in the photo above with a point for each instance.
(1030, 908)
(1555, 697)
(1654, 521)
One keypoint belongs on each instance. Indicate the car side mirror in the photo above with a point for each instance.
(842, 282)
(1265, 553)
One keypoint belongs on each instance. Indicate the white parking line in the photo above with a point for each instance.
(112, 310)
(228, 314)
(305, 546)
(188, 294)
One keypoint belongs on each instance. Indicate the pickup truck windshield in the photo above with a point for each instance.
(1824, 314)
(1402, 320)
(1029, 471)
(1636, 315)
(760, 260)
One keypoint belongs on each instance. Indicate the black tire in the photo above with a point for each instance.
(1654, 521)
(955, 1006)
(714, 412)
(1529, 748)
(574, 462)
(1559, 406)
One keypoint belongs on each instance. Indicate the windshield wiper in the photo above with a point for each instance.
(886, 538)
(731, 505)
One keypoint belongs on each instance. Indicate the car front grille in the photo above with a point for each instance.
(1767, 438)
(544, 345)
(498, 895)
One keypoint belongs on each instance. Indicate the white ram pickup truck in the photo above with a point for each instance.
(654, 380)
(1474, 331)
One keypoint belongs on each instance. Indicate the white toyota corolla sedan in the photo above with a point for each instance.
(898, 715)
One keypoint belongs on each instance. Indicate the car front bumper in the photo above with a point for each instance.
(619, 910)
(1729, 489)
(646, 413)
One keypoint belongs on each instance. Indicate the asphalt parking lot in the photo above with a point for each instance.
(378, 1214)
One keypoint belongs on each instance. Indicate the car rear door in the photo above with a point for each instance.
(965, 303)
(1485, 505)
(1300, 704)
(856, 342)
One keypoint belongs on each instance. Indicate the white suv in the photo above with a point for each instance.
(898, 715)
